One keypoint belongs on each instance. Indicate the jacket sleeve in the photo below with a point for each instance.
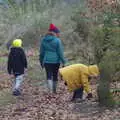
(24, 59)
(42, 52)
(60, 51)
(85, 83)
(9, 67)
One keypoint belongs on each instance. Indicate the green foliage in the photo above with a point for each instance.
(83, 24)
(82, 21)
(104, 94)
(22, 20)
(106, 48)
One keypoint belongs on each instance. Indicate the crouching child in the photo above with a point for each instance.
(77, 78)
(17, 63)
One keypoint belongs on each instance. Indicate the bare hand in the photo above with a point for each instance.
(26, 70)
(62, 65)
(89, 96)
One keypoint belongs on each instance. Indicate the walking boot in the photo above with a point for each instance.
(50, 85)
(54, 86)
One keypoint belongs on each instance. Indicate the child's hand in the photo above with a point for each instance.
(62, 65)
(89, 96)
(65, 83)
(26, 70)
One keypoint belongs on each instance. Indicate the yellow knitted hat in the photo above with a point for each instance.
(17, 43)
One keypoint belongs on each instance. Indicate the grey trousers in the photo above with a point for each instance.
(17, 83)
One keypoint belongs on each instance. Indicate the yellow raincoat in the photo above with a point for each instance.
(76, 75)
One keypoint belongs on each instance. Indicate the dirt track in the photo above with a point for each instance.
(37, 104)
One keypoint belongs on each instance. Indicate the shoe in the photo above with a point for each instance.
(50, 85)
(16, 92)
(54, 86)
(73, 100)
(77, 100)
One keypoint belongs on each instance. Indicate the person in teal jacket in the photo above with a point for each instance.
(51, 56)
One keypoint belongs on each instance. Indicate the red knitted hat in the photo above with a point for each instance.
(53, 28)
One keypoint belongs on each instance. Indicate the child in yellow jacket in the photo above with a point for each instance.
(76, 78)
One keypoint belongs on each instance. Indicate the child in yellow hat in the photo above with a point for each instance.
(17, 63)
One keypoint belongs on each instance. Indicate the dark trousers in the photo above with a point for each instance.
(52, 71)
(78, 93)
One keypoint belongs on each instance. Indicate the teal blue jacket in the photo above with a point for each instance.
(51, 50)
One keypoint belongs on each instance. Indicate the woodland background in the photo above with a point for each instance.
(90, 32)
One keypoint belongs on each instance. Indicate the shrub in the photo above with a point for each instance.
(107, 55)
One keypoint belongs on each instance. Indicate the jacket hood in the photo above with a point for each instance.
(49, 38)
(93, 70)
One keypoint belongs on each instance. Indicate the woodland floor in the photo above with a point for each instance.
(36, 103)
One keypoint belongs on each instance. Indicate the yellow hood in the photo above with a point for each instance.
(93, 70)
(17, 43)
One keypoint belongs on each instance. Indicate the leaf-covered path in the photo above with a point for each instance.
(37, 104)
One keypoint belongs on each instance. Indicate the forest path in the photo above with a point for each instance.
(36, 103)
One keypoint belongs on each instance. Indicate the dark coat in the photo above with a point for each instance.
(17, 61)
